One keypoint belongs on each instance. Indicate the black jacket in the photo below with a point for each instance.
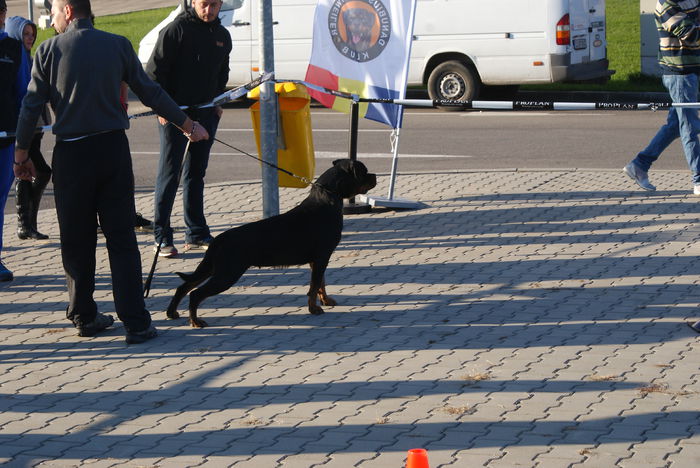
(10, 57)
(190, 59)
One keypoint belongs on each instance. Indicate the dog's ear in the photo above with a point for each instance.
(353, 167)
(344, 164)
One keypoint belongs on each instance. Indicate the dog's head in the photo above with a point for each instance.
(359, 23)
(347, 178)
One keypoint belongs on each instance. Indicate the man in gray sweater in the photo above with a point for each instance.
(79, 72)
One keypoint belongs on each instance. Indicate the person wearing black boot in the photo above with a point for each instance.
(14, 76)
(28, 193)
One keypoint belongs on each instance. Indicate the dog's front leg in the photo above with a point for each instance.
(318, 269)
(323, 296)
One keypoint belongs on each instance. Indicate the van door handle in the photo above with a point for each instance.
(240, 23)
(592, 10)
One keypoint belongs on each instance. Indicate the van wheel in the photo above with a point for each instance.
(453, 81)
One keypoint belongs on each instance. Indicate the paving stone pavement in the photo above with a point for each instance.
(520, 319)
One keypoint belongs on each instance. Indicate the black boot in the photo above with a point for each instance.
(23, 197)
(38, 186)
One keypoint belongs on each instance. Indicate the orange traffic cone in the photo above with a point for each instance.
(417, 458)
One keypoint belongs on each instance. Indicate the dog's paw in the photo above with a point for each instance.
(198, 323)
(172, 314)
(328, 301)
(315, 310)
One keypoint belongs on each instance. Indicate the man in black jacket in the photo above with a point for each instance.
(191, 62)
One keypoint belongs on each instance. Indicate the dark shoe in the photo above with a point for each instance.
(101, 322)
(198, 244)
(5, 274)
(24, 233)
(640, 176)
(167, 250)
(142, 336)
(143, 224)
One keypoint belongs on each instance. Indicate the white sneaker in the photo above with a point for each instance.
(639, 176)
(696, 189)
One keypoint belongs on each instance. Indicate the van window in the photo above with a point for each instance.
(231, 5)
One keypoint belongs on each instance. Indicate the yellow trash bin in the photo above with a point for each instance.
(296, 154)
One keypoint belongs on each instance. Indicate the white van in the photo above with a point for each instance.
(459, 46)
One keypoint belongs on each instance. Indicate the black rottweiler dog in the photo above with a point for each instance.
(308, 233)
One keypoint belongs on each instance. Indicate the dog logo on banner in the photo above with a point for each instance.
(360, 29)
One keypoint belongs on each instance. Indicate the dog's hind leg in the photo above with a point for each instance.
(180, 292)
(190, 281)
(216, 284)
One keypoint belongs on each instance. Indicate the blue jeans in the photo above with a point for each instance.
(172, 149)
(682, 123)
(7, 156)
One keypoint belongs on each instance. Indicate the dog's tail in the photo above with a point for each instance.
(187, 277)
(203, 271)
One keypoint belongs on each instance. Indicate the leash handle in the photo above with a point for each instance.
(147, 284)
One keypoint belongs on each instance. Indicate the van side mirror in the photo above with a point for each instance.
(229, 5)
(45, 4)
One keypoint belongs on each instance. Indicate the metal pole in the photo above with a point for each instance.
(268, 115)
(352, 207)
(352, 144)
(394, 164)
(30, 8)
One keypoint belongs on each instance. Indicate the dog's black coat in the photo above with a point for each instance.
(308, 233)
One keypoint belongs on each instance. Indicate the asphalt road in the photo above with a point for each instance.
(431, 140)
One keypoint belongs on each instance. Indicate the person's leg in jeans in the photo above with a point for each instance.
(666, 134)
(7, 156)
(685, 89)
(172, 147)
(193, 182)
(75, 194)
(115, 206)
(663, 138)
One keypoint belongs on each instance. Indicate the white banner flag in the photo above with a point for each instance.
(362, 47)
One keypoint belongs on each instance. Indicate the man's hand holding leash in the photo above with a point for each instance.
(193, 130)
(23, 166)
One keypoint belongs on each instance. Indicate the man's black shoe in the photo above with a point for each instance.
(101, 322)
(143, 224)
(142, 336)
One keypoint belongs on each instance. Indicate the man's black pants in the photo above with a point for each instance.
(93, 177)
